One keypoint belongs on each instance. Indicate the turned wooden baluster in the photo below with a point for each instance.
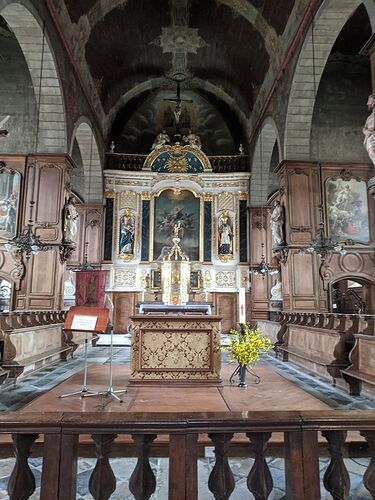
(221, 481)
(259, 480)
(142, 482)
(369, 476)
(102, 480)
(336, 478)
(22, 481)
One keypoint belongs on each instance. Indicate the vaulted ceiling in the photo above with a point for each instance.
(225, 48)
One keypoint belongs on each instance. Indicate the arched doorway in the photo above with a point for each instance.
(353, 295)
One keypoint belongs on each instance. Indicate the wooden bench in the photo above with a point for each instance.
(17, 367)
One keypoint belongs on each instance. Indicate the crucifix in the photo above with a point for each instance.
(178, 101)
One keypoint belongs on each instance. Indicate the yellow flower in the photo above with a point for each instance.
(246, 345)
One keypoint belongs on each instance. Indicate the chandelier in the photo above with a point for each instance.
(263, 268)
(323, 245)
(27, 242)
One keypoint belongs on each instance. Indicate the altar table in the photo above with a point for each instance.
(181, 349)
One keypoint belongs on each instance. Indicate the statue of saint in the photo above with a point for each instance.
(276, 224)
(70, 221)
(225, 235)
(369, 130)
(162, 139)
(127, 229)
(193, 140)
(276, 293)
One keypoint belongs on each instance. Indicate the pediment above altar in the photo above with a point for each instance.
(177, 158)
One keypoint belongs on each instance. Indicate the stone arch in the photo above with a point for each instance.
(328, 23)
(260, 170)
(47, 88)
(92, 185)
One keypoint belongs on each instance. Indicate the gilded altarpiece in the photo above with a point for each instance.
(147, 204)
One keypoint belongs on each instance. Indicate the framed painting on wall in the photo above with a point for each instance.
(10, 183)
(171, 207)
(347, 209)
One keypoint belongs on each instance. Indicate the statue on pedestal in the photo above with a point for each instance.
(276, 291)
(162, 139)
(193, 140)
(369, 130)
(225, 242)
(276, 224)
(70, 221)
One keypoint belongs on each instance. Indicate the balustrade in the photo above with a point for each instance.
(302, 445)
(219, 164)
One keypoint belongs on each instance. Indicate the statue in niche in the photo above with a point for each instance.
(127, 230)
(162, 139)
(276, 293)
(70, 221)
(193, 140)
(225, 243)
(369, 130)
(276, 224)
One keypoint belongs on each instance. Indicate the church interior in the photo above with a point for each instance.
(186, 186)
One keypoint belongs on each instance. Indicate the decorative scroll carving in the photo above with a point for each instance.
(259, 480)
(221, 481)
(124, 277)
(369, 476)
(142, 482)
(21, 483)
(225, 279)
(102, 480)
(336, 478)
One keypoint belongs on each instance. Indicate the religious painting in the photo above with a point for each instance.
(172, 207)
(225, 235)
(347, 210)
(126, 242)
(10, 182)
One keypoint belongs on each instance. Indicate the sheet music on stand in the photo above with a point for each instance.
(88, 320)
(110, 390)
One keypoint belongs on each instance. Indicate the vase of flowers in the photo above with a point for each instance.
(245, 348)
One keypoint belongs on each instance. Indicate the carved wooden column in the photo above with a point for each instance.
(369, 477)
(47, 184)
(259, 480)
(336, 478)
(142, 482)
(221, 481)
(21, 483)
(102, 480)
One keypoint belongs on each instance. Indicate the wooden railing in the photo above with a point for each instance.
(219, 164)
(302, 439)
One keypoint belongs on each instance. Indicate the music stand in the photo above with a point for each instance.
(109, 391)
(87, 320)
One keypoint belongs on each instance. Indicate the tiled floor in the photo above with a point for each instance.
(28, 388)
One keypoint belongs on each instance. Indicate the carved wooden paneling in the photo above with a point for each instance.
(48, 194)
(124, 307)
(90, 231)
(299, 200)
(226, 306)
(42, 280)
